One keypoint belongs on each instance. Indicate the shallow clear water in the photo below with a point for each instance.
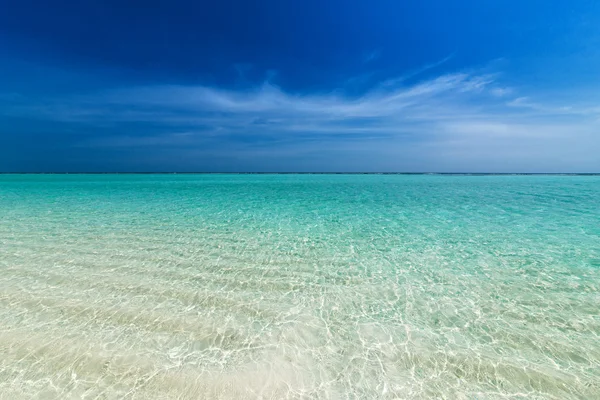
(299, 286)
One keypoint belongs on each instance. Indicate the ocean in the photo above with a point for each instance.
(224, 286)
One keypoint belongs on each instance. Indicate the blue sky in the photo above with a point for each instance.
(412, 86)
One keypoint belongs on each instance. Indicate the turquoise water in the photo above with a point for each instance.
(299, 286)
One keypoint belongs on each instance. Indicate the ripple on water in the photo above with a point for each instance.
(332, 287)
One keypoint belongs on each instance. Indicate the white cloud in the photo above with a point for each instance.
(268, 98)
(501, 91)
(454, 116)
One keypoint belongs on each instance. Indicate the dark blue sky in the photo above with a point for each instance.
(484, 86)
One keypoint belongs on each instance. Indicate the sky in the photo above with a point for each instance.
(307, 86)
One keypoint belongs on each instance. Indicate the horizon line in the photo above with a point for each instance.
(296, 173)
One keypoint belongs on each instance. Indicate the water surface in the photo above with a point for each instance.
(299, 286)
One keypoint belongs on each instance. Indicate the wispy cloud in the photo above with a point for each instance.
(502, 91)
(372, 56)
(554, 109)
(270, 100)
(458, 116)
(413, 74)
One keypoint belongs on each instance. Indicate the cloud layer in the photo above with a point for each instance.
(453, 122)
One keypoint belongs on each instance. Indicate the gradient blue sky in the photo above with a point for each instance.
(448, 86)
